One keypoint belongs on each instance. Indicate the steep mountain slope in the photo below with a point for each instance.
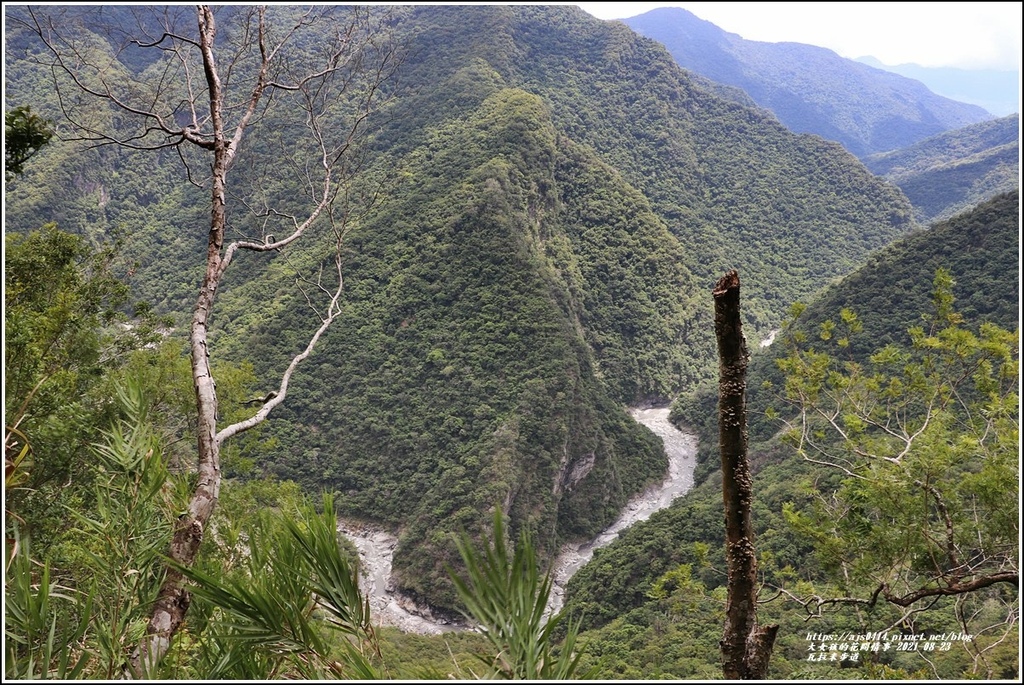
(949, 173)
(810, 89)
(979, 247)
(730, 183)
(463, 366)
(657, 591)
(889, 294)
(563, 193)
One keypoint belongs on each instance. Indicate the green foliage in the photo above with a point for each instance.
(675, 634)
(25, 134)
(57, 293)
(65, 335)
(267, 617)
(631, 635)
(38, 642)
(563, 190)
(123, 541)
(292, 581)
(926, 438)
(889, 294)
(112, 561)
(462, 371)
(506, 596)
(449, 656)
(546, 232)
(953, 172)
(276, 595)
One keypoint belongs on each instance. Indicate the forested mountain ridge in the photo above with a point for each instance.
(563, 192)
(951, 172)
(978, 247)
(810, 89)
(890, 293)
(672, 566)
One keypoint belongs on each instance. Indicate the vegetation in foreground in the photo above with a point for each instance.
(79, 593)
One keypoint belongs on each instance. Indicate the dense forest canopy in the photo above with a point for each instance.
(535, 260)
(952, 172)
(543, 201)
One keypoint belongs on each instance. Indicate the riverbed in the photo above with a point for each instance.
(681, 449)
(376, 546)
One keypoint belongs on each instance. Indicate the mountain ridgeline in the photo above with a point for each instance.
(673, 564)
(951, 172)
(810, 89)
(563, 196)
(997, 90)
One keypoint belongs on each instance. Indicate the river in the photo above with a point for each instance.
(377, 546)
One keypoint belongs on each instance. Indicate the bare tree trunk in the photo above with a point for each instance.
(358, 58)
(746, 648)
(173, 600)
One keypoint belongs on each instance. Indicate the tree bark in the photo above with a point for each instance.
(746, 647)
(173, 600)
(358, 58)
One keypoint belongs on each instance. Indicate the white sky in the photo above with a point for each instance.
(971, 35)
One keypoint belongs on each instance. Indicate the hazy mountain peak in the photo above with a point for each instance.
(811, 89)
(998, 91)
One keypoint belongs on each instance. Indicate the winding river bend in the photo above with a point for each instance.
(377, 546)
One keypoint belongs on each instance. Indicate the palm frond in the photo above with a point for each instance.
(507, 598)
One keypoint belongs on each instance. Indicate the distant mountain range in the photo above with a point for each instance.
(954, 171)
(811, 89)
(995, 90)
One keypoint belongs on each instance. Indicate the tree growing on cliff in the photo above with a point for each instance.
(221, 84)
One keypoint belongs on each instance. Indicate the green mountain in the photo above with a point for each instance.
(650, 617)
(951, 172)
(810, 89)
(562, 196)
(889, 294)
(980, 248)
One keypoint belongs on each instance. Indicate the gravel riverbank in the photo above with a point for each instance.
(377, 546)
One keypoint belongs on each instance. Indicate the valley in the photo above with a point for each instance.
(681, 448)
(376, 546)
(464, 268)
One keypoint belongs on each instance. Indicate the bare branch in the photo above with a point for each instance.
(333, 312)
(955, 588)
(162, 38)
(951, 552)
(814, 604)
